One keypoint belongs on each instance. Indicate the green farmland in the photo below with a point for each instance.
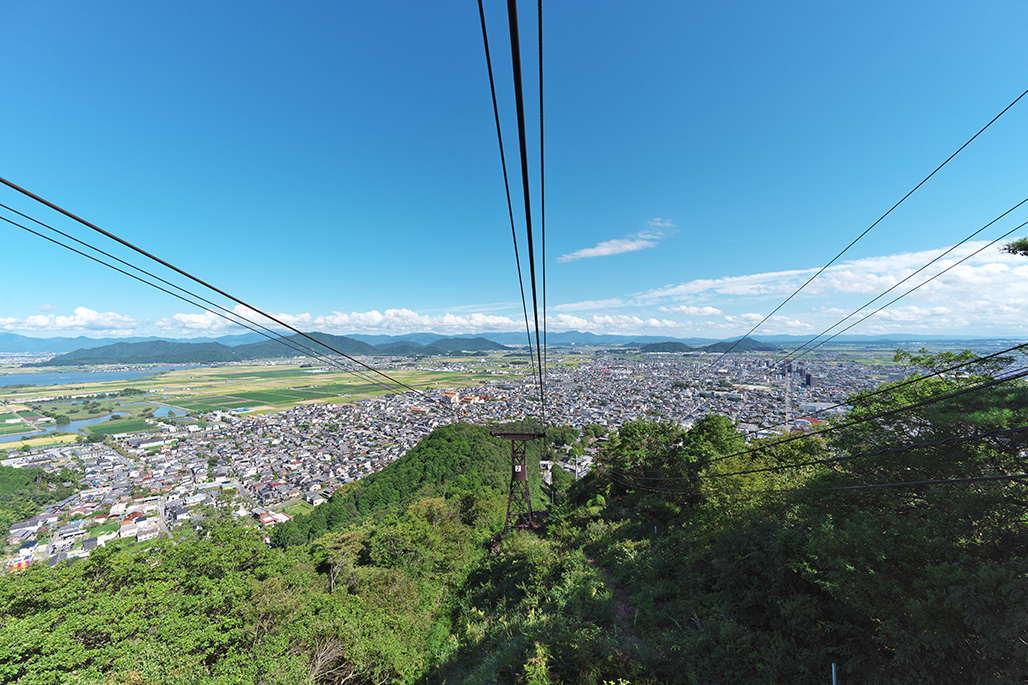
(258, 388)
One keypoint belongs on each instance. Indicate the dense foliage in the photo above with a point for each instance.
(24, 493)
(173, 352)
(460, 460)
(688, 557)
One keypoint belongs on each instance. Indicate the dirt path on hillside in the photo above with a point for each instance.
(624, 611)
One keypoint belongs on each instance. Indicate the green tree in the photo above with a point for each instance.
(1018, 247)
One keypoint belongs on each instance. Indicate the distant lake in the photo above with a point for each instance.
(72, 377)
(71, 427)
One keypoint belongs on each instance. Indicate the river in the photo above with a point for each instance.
(72, 427)
(71, 377)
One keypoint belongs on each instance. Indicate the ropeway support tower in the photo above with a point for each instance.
(519, 501)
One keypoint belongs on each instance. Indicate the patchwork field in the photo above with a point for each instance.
(258, 388)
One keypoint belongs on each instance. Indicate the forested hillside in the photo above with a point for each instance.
(456, 461)
(24, 492)
(893, 546)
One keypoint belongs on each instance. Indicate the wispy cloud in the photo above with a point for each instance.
(610, 323)
(46, 308)
(693, 311)
(647, 238)
(987, 273)
(588, 304)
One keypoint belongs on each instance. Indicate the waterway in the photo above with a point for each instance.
(72, 377)
(163, 411)
(71, 427)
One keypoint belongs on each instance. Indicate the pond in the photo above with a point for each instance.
(71, 427)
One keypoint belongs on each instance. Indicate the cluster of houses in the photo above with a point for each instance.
(141, 487)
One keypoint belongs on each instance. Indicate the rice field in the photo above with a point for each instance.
(258, 388)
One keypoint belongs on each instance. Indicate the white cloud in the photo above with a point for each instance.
(774, 325)
(870, 275)
(689, 310)
(391, 321)
(660, 223)
(610, 247)
(658, 229)
(84, 319)
(607, 323)
(46, 308)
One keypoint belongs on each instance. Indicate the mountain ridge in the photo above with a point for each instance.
(13, 343)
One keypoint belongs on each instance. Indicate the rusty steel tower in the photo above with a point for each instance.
(519, 501)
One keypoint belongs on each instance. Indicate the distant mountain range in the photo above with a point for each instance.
(255, 346)
(12, 342)
(174, 352)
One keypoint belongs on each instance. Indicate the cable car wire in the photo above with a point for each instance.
(238, 319)
(515, 45)
(953, 440)
(542, 194)
(1021, 373)
(506, 182)
(195, 279)
(908, 277)
(838, 488)
(868, 229)
(789, 358)
(243, 321)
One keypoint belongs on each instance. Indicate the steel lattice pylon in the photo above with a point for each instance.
(519, 501)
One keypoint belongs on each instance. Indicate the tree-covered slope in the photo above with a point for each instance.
(271, 349)
(467, 344)
(690, 557)
(742, 345)
(169, 352)
(150, 352)
(405, 348)
(453, 461)
(24, 492)
(669, 346)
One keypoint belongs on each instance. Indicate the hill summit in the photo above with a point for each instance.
(745, 344)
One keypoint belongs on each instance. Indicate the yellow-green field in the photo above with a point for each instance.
(257, 388)
(48, 440)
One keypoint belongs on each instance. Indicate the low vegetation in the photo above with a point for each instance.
(24, 493)
(689, 557)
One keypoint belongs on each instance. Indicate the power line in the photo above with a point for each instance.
(244, 322)
(868, 229)
(515, 46)
(195, 279)
(954, 440)
(848, 424)
(916, 287)
(789, 356)
(542, 193)
(838, 488)
(919, 379)
(239, 319)
(506, 183)
(907, 278)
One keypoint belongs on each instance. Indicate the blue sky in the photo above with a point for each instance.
(336, 163)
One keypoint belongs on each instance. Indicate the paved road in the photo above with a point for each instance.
(161, 522)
